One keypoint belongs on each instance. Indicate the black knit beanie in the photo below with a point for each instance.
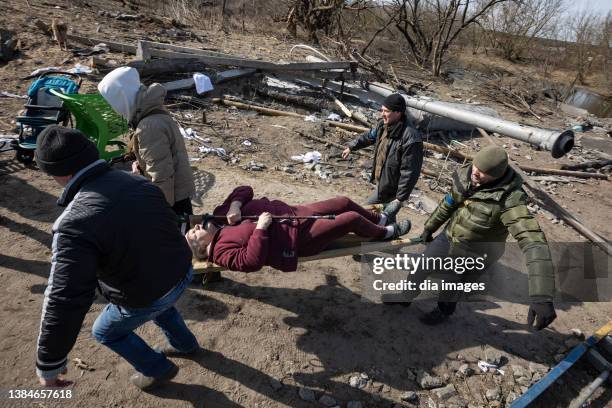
(63, 151)
(395, 102)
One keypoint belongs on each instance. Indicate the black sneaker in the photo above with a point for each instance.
(390, 210)
(434, 317)
(148, 383)
(400, 228)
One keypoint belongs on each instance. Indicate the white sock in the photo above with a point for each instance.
(383, 219)
(390, 231)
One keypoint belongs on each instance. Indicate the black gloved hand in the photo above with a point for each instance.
(543, 313)
(427, 236)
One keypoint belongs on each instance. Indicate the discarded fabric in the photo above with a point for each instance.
(39, 71)
(80, 69)
(202, 83)
(12, 95)
(308, 157)
(219, 151)
(247, 142)
(311, 118)
(335, 117)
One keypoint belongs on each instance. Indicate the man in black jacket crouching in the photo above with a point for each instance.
(106, 238)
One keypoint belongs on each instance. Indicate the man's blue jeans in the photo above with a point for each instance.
(115, 327)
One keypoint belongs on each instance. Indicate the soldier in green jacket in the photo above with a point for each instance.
(486, 203)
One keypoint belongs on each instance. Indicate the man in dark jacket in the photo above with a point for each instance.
(117, 233)
(486, 202)
(398, 153)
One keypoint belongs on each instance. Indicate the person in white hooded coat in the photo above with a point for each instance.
(156, 141)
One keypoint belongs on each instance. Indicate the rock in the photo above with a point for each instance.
(254, 166)
(327, 401)
(275, 384)
(571, 342)
(466, 370)
(493, 394)
(518, 371)
(410, 396)
(357, 381)
(528, 157)
(354, 404)
(537, 376)
(524, 389)
(578, 334)
(523, 381)
(307, 394)
(287, 169)
(428, 382)
(431, 403)
(445, 393)
(410, 374)
(511, 397)
(538, 368)
(497, 359)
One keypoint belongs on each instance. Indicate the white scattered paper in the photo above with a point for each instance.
(308, 157)
(335, 117)
(311, 118)
(247, 142)
(202, 83)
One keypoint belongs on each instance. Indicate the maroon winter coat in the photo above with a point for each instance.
(244, 248)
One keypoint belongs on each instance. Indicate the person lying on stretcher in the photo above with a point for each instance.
(242, 245)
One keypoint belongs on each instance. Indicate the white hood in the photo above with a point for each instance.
(119, 87)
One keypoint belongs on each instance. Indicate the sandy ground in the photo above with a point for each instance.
(309, 328)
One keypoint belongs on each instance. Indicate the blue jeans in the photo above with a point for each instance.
(115, 327)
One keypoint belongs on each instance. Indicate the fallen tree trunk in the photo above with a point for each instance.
(308, 102)
(546, 201)
(596, 164)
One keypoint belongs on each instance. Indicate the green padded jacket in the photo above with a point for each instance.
(488, 215)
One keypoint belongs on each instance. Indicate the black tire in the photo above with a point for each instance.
(25, 156)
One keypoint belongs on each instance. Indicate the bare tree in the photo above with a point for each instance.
(605, 45)
(512, 26)
(430, 27)
(583, 36)
(317, 15)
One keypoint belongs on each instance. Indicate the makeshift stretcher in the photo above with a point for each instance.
(348, 245)
(593, 350)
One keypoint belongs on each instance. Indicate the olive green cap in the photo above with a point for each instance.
(492, 160)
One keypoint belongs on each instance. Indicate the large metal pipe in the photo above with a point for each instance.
(557, 142)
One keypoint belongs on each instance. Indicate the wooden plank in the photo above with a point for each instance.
(248, 63)
(180, 84)
(188, 50)
(356, 247)
(113, 46)
(143, 52)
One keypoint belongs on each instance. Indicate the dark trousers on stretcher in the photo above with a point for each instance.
(316, 235)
